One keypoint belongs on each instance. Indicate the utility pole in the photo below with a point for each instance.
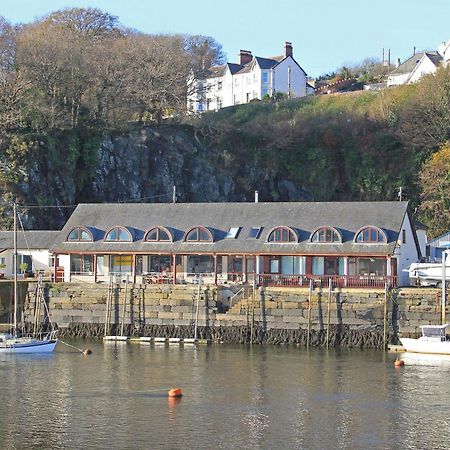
(174, 194)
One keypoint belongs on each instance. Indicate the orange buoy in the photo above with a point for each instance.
(175, 392)
(88, 351)
(399, 363)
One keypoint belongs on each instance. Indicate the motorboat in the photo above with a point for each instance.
(432, 341)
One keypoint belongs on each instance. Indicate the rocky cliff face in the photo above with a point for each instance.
(144, 165)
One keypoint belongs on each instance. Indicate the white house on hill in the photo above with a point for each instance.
(420, 64)
(252, 78)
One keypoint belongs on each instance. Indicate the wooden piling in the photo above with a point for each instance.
(308, 336)
(329, 312)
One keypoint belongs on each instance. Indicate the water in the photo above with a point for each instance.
(234, 397)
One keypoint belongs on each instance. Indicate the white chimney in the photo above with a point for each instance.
(256, 196)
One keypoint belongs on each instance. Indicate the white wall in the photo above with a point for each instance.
(64, 261)
(406, 253)
(40, 260)
(297, 78)
(396, 80)
(425, 67)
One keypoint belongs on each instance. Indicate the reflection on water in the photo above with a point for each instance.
(234, 397)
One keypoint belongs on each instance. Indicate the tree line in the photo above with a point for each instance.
(81, 67)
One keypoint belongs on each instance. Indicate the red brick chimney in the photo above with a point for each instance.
(245, 57)
(288, 51)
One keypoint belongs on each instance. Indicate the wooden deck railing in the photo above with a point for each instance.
(349, 281)
(361, 281)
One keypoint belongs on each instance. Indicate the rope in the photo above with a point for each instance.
(70, 345)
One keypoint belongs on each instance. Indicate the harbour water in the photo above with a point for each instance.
(235, 397)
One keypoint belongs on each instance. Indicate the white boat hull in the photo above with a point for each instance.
(31, 346)
(426, 346)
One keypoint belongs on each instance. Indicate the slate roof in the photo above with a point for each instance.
(303, 217)
(42, 239)
(409, 65)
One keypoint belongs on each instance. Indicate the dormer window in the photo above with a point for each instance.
(80, 234)
(198, 234)
(326, 235)
(371, 235)
(282, 234)
(118, 234)
(158, 234)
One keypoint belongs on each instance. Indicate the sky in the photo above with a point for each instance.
(325, 34)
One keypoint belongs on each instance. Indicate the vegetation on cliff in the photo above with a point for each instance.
(82, 101)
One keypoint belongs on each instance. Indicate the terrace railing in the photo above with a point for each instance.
(357, 281)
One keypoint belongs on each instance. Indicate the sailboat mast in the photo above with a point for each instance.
(15, 270)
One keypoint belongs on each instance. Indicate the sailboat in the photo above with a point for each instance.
(13, 343)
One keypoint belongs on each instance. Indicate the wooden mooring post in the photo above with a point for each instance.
(330, 286)
(385, 314)
(308, 336)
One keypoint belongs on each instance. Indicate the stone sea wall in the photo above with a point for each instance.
(349, 318)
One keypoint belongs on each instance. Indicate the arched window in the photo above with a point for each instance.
(326, 234)
(282, 234)
(118, 234)
(158, 234)
(198, 234)
(370, 235)
(80, 234)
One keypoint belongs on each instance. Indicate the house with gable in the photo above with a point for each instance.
(252, 78)
(420, 64)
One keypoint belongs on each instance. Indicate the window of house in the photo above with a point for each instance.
(159, 263)
(254, 232)
(121, 264)
(232, 233)
(326, 234)
(282, 234)
(219, 103)
(219, 85)
(264, 91)
(118, 234)
(370, 235)
(236, 81)
(208, 104)
(198, 234)
(367, 266)
(82, 264)
(79, 234)
(200, 264)
(265, 77)
(404, 236)
(247, 97)
(158, 234)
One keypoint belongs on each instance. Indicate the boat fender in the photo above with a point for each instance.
(175, 392)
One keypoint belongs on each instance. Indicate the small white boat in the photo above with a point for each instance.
(432, 341)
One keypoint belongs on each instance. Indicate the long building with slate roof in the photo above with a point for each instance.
(352, 243)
